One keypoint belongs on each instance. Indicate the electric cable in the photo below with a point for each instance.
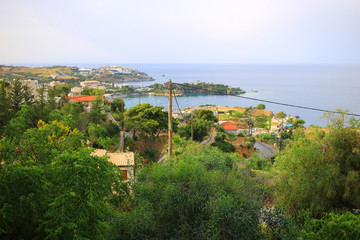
(178, 104)
(266, 101)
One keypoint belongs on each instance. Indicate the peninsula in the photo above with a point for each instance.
(74, 74)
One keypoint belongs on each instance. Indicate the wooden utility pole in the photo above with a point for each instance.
(170, 119)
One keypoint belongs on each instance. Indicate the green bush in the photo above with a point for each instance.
(198, 195)
(332, 226)
(258, 163)
(231, 136)
(151, 154)
(220, 128)
(224, 146)
(241, 134)
(220, 137)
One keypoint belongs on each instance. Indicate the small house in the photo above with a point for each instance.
(230, 127)
(125, 161)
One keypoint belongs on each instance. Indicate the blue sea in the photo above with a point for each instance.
(327, 87)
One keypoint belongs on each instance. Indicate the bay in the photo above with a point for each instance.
(328, 87)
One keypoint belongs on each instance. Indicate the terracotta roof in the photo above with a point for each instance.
(99, 152)
(229, 126)
(83, 98)
(121, 159)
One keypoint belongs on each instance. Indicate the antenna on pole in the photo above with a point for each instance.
(170, 119)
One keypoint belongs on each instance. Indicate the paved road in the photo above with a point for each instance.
(265, 150)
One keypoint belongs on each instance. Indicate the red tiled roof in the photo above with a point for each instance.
(83, 98)
(229, 126)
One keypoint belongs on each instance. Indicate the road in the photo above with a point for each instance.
(265, 150)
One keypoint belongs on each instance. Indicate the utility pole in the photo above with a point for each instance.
(170, 119)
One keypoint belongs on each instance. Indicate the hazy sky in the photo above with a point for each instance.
(179, 31)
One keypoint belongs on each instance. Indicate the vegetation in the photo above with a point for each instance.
(201, 129)
(198, 195)
(52, 187)
(200, 88)
(322, 173)
(153, 119)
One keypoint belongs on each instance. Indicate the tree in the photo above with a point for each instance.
(280, 115)
(322, 173)
(148, 119)
(118, 105)
(96, 113)
(19, 94)
(4, 106)
(205, 114)
(251, 123)
(200, 128)
(260, 106)
(53, 188)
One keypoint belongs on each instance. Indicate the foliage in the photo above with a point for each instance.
(321, 174)
(118, 105)
(200, 127)
(231, 136)
(280, 115)
(96, 113)
(198, 195)
(260, 106)
(220, 137)
(148, 119)
(220, 128)
(205, 114)
(332, 226)
(258, 163)
(151, 154)
(267, 137)
(224, 146)
(241, 134)
(92, 91)
(50, 185)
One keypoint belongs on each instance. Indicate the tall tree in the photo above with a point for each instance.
(96, 112)
(4, 106)
(148, 119)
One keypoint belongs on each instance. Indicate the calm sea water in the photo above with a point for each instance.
(328, 87)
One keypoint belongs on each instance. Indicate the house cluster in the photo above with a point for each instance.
(88, 71)
(125, 161)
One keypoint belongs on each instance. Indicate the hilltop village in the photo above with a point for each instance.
(75, 161)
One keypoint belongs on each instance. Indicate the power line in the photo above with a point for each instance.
(266, 101)
(141, 119)
(177, 103)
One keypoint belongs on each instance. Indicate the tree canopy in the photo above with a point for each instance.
(321, 173)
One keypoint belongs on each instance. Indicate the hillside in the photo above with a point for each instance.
(74, 74)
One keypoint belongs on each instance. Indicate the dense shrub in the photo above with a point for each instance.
(258, 163)
(224, 146)
(198, 195)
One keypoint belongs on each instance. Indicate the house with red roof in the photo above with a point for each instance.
(85, 99)
(229, 127)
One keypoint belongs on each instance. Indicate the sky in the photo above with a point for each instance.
(180, 31)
